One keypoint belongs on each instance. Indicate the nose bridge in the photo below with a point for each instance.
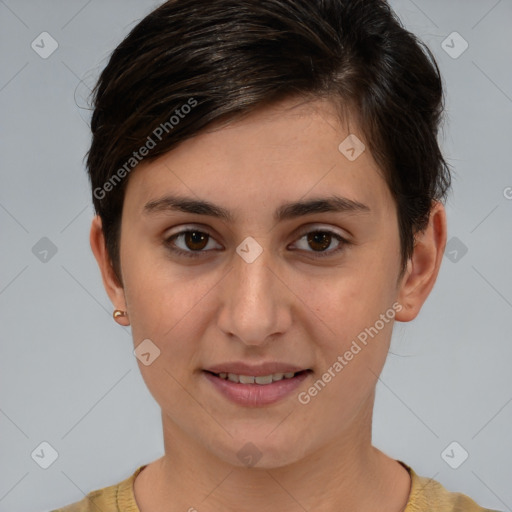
(253, 308)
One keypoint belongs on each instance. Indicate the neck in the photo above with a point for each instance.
(346, 474)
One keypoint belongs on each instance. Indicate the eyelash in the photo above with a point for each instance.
(196, 254)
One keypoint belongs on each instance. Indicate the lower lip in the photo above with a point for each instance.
(256, 395)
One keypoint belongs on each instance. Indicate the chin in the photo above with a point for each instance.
(261, 451)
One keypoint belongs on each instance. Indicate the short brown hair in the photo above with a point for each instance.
(228, 57)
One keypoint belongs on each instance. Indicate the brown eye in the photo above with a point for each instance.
(191, 242)
(195, 240)
(319, 240)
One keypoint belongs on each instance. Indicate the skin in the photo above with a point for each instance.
(289, 305)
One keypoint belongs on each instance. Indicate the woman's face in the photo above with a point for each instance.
(272, 283)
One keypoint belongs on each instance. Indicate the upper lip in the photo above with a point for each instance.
(240, 368)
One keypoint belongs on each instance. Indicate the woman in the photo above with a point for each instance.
(269, 195)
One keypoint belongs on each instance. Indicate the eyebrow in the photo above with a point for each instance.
(287, 211)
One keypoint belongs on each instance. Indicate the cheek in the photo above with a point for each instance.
(348, 303)
(347, 322)
(351, 357)
(168, 307)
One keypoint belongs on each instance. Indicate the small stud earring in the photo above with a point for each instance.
(118, 313)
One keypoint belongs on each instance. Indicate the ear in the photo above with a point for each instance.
(112, 286)
(423, 266)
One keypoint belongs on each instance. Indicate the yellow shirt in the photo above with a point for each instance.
(426, 495)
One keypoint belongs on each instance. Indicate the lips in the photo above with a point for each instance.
(262, 392)
(255, 385)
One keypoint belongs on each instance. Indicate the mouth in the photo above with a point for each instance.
(255, 390)
(261, 380)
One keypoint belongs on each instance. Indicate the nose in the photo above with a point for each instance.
(255, 301)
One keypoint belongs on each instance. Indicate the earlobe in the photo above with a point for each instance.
(423, 266)
(112, 286)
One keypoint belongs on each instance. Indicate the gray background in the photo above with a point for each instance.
(68, 373)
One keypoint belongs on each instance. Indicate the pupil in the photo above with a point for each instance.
(196, 237)
(321, 238)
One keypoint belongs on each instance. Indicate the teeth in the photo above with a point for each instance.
(262, 380)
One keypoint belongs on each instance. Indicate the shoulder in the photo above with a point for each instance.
(114, 498)
(100, 499)
(428, 494)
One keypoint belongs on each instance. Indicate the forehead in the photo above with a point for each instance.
(290, 150)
